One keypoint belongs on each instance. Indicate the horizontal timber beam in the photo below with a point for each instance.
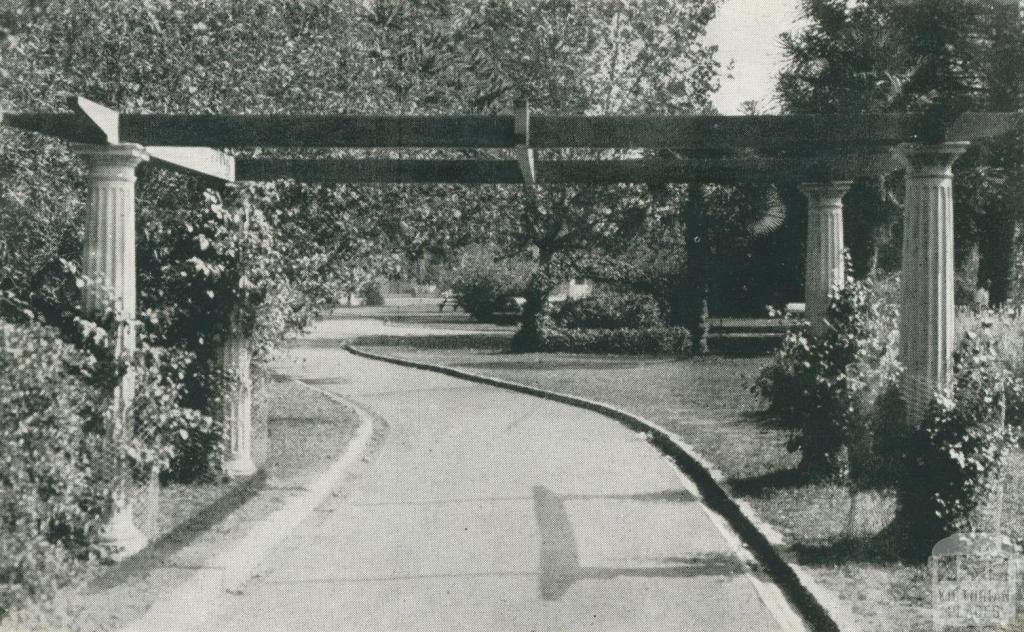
(376, 170)
(411, 171)
(814, 133)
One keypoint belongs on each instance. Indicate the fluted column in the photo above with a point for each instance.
(927, 323)
(234, 357)
(825, 266)
(108, 262)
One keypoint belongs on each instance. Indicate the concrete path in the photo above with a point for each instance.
(485, 509)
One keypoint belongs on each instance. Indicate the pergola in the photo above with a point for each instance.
(823, 152)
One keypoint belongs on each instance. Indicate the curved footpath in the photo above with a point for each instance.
(486, 509)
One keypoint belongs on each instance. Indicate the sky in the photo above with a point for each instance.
(747, 31)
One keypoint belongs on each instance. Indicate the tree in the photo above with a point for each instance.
(259, 259)
(940, 57)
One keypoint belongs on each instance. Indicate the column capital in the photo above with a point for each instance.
(932, 159)
(111, 161)
(822, 194)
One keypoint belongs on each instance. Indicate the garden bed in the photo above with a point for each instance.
(708, 402)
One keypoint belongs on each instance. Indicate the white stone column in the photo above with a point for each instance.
(234, 357)
(825, 266)
(108, 262)
(927, 325)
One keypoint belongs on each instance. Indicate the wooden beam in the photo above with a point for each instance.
(372, 170)
(105, 120)
(215, 130)
(202, 160)
(722, 132)
(74, 128)
(976, 125)
(582, 172)
(693, 134)
(724, 171)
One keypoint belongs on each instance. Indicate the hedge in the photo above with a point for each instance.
(609, 311)
(647, 340)
(51, 493)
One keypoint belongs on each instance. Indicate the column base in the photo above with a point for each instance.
(121, 537)
(239, 467)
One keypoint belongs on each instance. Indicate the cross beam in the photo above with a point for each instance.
(596, 172)
(814, 133)
(96, 124)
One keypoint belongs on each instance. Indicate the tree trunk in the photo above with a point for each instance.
(698, 265)
(531, 328)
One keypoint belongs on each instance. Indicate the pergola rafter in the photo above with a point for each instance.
(821, 152)
(769, 133)
(577, 172)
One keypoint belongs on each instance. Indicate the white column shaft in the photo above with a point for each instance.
(927, 325)
(108, 262)
(825, 265)
(234, 357)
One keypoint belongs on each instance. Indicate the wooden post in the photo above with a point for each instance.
(824, 264)
(927, 313)
(108, 261)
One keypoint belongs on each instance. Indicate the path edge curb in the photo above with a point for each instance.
(819, 607)
(228, 571)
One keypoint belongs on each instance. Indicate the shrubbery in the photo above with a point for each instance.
(838, 393)
(629, 341)
(826, 388)
(55, 409)
(608, 311)
(371, 294)
(484, 285)
(955, 457)
(51, 495)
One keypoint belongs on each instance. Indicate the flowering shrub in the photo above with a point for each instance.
(825, 388)
(608, 311)
(954, 458)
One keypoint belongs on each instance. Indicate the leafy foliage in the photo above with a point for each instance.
(622, 340)
(826, 388)
(938, 57)
(955, 457)
(372, 294)
(51, 494)
(608, 311)
(483, 285)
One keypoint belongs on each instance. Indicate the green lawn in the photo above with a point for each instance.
(708, 402)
